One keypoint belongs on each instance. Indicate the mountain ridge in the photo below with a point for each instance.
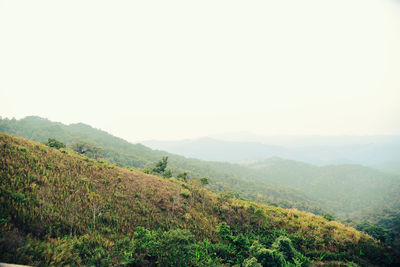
(373, 151)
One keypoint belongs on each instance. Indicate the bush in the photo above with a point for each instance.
(183, 176)
(176, 248)
(282, 253)
(145, 246)
(329, 217)
(51, 142)
(285, 246)
(167, 174)
(266, 257)
(185, 193)
(224, 231)
(251, 262)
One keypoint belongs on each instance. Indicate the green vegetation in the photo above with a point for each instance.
(55, 143)
(353, 194)
(368, 197)
(89, 150)
(63, 208)
(204, 180)
(224, 177)
(161, 168)
(183, 176)
(344, 190)
(382, 225)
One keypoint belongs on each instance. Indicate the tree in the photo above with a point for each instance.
(329, 217)
(204, 181)
(167, 173)
(95, 203)
(161, 167)
(51, 142)
(87, 149)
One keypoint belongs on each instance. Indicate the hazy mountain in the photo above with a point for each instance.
(217, 150)
(346, 188)
(375, 151)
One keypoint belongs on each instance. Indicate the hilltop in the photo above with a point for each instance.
(59, 208)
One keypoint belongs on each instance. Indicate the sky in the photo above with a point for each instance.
(183, 69)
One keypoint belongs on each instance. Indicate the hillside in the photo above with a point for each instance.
(224, 177)
(347, 191)
(58, 208)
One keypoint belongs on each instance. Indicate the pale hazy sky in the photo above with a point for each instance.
(183, 69)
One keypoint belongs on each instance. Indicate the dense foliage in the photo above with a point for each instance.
(61, 208)
(55, 143)
(347, 190)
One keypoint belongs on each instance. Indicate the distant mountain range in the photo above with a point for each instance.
(381, 152)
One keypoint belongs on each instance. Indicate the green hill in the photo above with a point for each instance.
(224, 177)
(370, 198)
(349, 192)
(58, 208)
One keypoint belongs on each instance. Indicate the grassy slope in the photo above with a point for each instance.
(347, 191)
(223, 176)
(47, 194)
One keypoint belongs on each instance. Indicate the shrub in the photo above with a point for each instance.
(183, 176)
(285, 246)
(167, 174)
(51, 142)
(251, 262)
(266, 257)
(329, 217)
(204, 181)
(176, 248)
(224, 231)
(185, 193)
